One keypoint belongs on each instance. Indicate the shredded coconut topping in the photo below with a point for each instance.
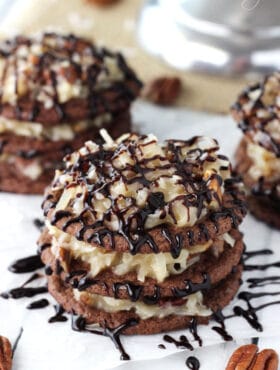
(257, 111)
(137, 183)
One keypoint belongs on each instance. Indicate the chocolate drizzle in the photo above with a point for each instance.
(261, 267)
(182, 342)
(42, 247)
(152, 299)
(58, 317)
(40, 224)
(249, 314)
(134, 291)
(23, 291)
(85, 283)
(263, 252)
(193, 330)
(15, 345)
(260, 282)
(30, 154)
(79, 324)
(193, 287)
(26, 264)
(220, 319)
(193, 363)
(41, 303)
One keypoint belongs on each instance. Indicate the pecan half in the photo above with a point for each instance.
(5, 354)
(242, 358)
(266, 360)
(247, 358)
(162, 90)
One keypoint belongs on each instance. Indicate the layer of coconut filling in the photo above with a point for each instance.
(193, 305)
(157, 266)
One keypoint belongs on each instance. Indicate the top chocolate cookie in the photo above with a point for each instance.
(136, 195)
(54, 78)
(257, 112)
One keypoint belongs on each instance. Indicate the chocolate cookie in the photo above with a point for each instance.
(57, 91)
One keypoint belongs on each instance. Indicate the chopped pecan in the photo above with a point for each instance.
(247, 358)
(69, 73)
(65, 258)
(102, 2)
(5, 354)
(162, 90)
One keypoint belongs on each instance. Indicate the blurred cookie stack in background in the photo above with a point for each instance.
(258, 155)
(56, 93)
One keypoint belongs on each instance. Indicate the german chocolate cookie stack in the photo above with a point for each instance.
(257, 112)
(144, 231)
(56, 92)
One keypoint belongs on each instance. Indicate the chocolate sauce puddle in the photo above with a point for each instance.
(26, 264)
(193, 363)
(79, 324)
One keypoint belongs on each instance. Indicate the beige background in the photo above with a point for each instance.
(115, 27)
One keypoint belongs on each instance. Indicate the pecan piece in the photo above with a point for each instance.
(266, 360)
(243, 357)
(247, 358)
(102, 2)
(162, 90)
(6, 354)
(64, 258)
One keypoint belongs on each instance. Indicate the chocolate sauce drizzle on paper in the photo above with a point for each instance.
(79, 324)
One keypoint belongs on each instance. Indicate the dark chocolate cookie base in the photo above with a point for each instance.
(217, 298)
